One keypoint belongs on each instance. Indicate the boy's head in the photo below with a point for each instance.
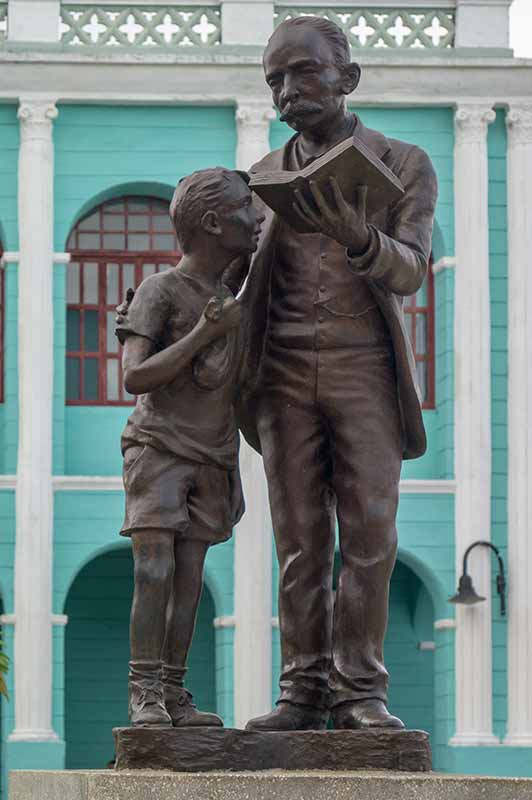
(215, 203)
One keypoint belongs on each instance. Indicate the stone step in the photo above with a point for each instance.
(274, 785)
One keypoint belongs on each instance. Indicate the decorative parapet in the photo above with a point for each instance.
(404, 28)
(140, 25)
(3, 21)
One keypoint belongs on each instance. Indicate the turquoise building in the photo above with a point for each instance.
(103, 107)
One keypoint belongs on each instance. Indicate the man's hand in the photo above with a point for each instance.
(342, 221)
(220, 316)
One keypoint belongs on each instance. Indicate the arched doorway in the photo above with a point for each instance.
(97, 654)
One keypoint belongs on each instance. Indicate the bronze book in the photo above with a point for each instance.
(350, 162)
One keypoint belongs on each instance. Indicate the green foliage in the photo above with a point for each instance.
(4, 666)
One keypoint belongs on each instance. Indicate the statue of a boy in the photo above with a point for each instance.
(180, 444)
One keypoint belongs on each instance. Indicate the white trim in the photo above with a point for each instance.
(474, 740)
(62, 258)
(429, 4)
(10, 257)
(33, 735)
(87, 483)
(113, 483)
(275, 622)
(517, 741)
(430, 646)
(446, 262)
(224, 622)
(445, 624)
(428, 486)
(56, 619)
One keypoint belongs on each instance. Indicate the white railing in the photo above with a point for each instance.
(140, 25)
(374, 27)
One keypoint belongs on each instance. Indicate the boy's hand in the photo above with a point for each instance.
(220, 315)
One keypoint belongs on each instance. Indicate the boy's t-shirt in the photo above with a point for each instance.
(193, 416)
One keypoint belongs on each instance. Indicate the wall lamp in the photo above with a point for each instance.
(466, 594)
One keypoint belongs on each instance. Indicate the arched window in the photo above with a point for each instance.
(112, 249)
(419, 316)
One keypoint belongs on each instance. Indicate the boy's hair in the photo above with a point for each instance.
(202, 191)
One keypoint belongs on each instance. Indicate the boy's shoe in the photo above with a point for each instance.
(146, 703)
(183, 712)
(178, 702)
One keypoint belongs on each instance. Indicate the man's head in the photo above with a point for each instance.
(307, 65)
(215, 203)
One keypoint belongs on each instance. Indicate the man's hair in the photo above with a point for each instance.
(334, 35)
(204, 190)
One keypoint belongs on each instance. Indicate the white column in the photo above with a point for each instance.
(33, 20)
(34, 505)
(253, 595)
(472, 420)
(519, 123)
(253, 118)
(483, 23)
(253, 536)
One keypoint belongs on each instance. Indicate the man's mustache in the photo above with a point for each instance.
(299, 109)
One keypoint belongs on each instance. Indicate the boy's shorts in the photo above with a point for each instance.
(164, 492)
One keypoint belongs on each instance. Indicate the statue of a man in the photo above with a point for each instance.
(331, 397)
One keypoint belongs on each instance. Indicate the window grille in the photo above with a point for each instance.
(419, 317)
(112, 249)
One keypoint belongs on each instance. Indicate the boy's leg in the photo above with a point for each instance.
(153, 554)
(189, 558)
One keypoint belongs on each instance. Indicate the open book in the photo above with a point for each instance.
(350, 162)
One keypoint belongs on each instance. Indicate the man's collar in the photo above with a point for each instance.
(277, 158)
(373, 139)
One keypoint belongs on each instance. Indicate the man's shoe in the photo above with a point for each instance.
(359, 714)
(290, 717)
(146, 704)
(184, 713)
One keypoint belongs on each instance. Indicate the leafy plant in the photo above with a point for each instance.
(4, 666)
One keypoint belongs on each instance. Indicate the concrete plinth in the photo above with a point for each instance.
(140, 785)
(212, 749)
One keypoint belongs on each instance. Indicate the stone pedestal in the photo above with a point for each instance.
(208, 749)
(141, 785)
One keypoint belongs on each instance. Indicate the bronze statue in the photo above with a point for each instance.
(180, 445)
(330, 393)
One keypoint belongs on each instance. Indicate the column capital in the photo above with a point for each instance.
(254, 112)
(519, 123)
(36, 115)
(472, 120)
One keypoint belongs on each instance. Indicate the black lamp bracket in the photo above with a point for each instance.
(501, 580)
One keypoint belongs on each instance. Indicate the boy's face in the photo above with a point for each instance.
(240, 221)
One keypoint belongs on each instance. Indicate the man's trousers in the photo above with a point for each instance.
(330, 432)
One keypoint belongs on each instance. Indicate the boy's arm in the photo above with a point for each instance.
(146, 370)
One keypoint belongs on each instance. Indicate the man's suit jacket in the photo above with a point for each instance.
(394, 265)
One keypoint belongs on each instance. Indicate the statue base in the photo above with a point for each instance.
(143, 784)
(208, 749)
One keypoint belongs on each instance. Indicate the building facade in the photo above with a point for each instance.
(103, 107)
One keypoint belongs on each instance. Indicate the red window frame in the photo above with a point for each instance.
(141, 262)
(413, 310)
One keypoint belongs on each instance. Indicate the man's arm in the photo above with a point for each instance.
(146, 370)
(397, 260)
